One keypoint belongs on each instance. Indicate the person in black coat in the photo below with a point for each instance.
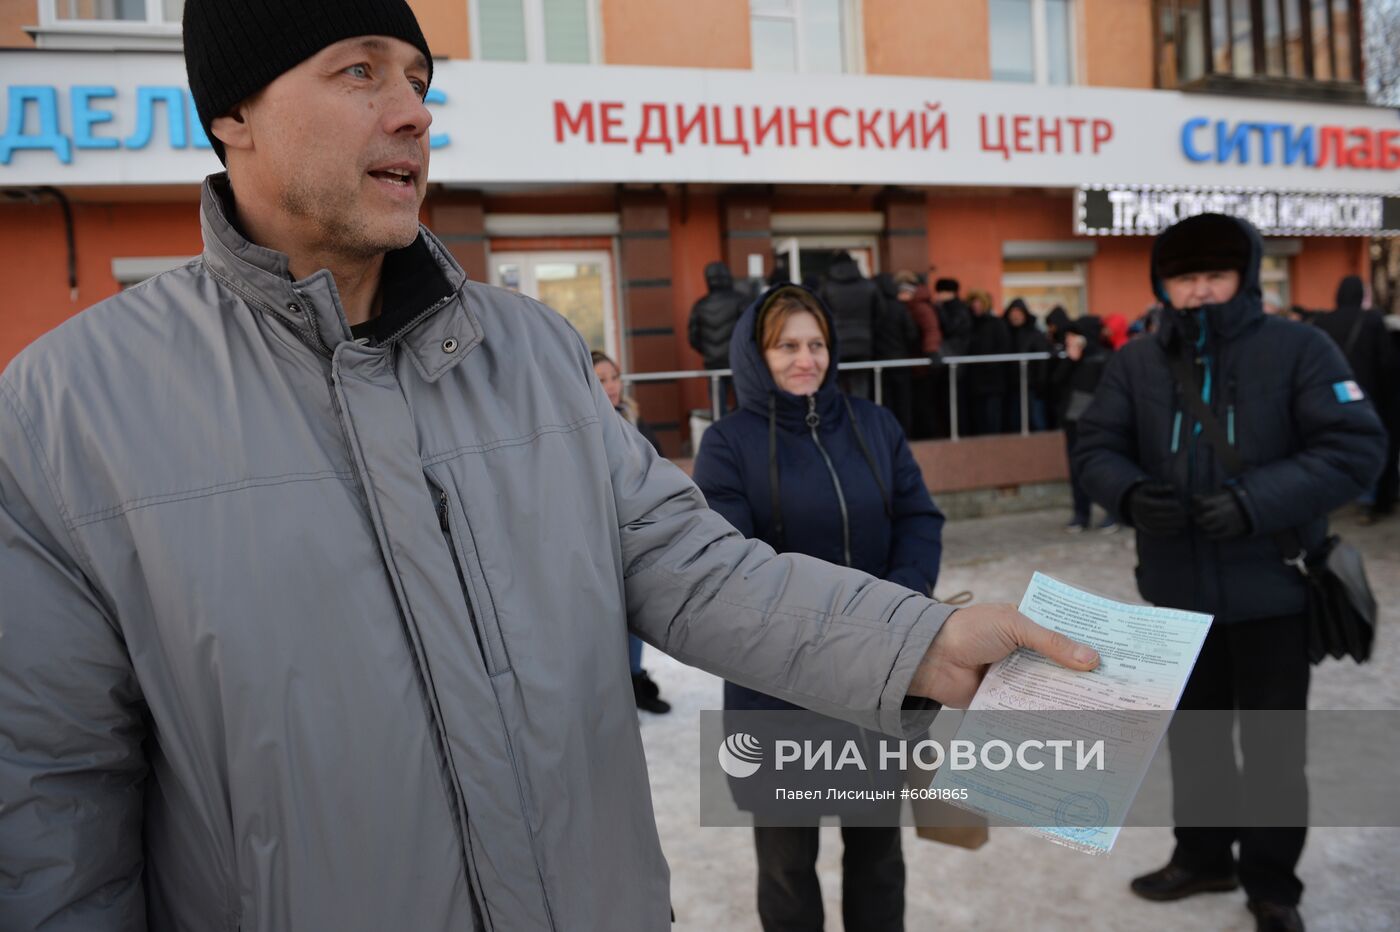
(1074, 379)
(1026, 337)
(808, 469)
(896, 337)
(955, 323)
(712, 321)
(954, 317)
(1362, 335)
(1283, 395)
(985, 384)
(856, 306)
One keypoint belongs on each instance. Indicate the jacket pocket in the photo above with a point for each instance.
(482, 615)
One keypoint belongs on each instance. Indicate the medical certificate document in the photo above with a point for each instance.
(1054, 719)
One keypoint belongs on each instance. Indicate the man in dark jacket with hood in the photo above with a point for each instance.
(1361, 334)
(713, 316)
(857, 305)
(712, 321)
(1073, 381)
(1310, 442)
(1026, 337)
(985, 384)
(896, 337)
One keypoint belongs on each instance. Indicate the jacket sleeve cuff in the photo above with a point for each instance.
(901, 714)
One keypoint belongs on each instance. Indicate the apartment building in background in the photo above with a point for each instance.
(598, 153)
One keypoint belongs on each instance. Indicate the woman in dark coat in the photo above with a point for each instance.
(809, 470)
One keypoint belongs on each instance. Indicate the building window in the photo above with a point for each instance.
(1273, 281)
(576, 284)
(1308, 40)
(109, 24)
(813, 36)
(1045, 283)
(554, 31)
(1032, 41)
(114, 11)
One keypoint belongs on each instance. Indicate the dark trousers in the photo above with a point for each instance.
(931, 413)
(1011, 413)
(858, 384)
(1245, 665)
(897, 391)
(985, 409)
(1389, 484)
(872, 880)
(726, 386)
(1082, 502)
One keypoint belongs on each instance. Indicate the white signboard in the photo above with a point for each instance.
(125, 118)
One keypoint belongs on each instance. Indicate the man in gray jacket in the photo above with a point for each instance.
(318, 559)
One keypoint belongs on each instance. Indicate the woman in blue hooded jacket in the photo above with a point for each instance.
(809, 470)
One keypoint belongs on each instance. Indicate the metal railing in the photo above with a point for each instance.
(878, 366)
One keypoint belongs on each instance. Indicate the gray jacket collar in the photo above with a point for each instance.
(443, 333)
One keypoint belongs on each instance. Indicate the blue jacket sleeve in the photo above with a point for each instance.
(717, 473)
(1343, 448)
(916, 548)
(1105, 451)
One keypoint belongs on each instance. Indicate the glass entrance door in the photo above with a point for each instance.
(576, 284)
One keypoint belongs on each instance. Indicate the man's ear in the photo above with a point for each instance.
(233, 129)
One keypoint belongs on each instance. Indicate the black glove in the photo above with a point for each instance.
(1220, 516)
(1155, 508)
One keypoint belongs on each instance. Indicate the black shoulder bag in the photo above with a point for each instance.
(1341, 613)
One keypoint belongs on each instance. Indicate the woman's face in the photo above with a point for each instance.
(800, 358)
(612, 381)
(1016, 317)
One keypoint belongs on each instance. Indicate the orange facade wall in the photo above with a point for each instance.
(1118, 277)
(446, 25)
(13, 18)
(966, 231)
(36, 278)
(1325, 261)
(927, 38)
(1114, 38)
(676, 33)
(695, 242)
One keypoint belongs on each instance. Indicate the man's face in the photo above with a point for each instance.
(339, 144)
(1195, 289)
(941, 296)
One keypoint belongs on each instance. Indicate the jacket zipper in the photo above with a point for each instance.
(1230, 413)
(813, 420)
(445, 522)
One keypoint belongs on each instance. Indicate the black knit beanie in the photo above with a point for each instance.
(1203, 243)
(235, 48)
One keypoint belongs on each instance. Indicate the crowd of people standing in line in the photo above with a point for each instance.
(903, 315)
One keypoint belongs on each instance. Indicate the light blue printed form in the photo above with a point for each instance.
(1147, 654)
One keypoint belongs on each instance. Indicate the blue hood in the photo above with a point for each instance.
(753, 382)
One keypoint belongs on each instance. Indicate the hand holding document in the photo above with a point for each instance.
(1123, 706)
